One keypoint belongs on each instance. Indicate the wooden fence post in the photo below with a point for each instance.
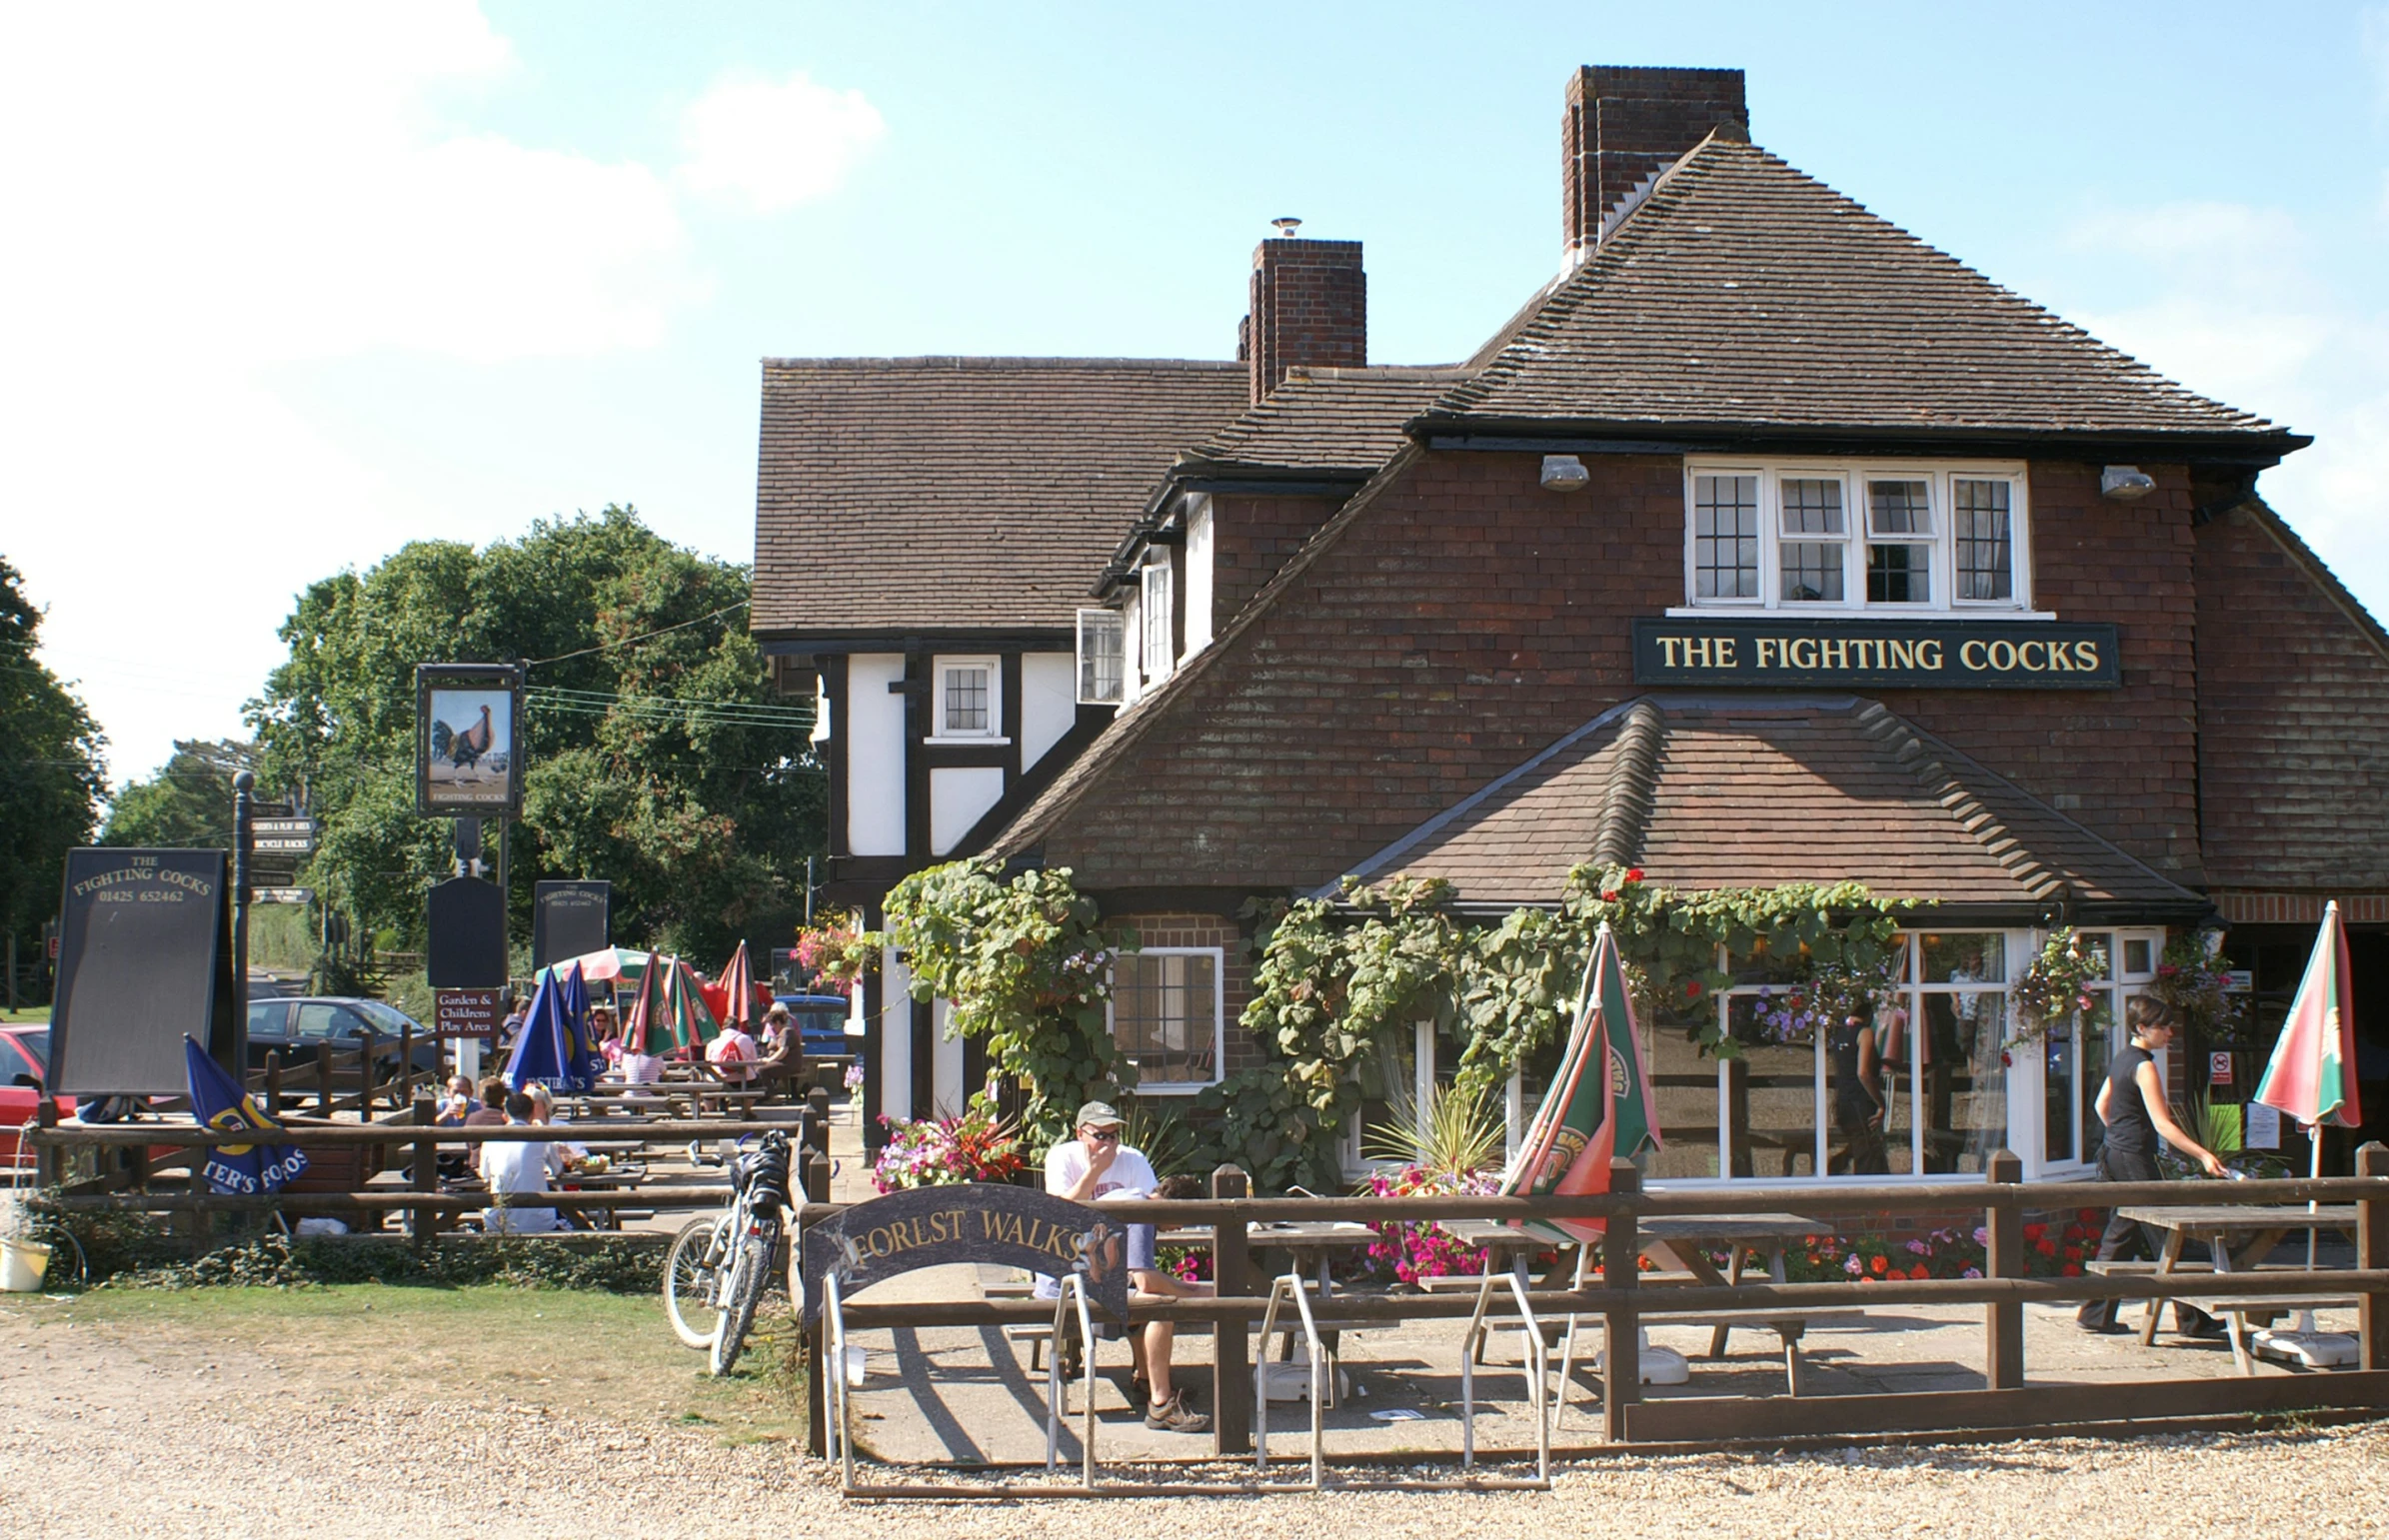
(2003, 1323)
(2372, 1250)
(366, 1043)
(406, 1065)
(425, 1179)
(1232, 1365)
(1621, 1268)
(323, 1077)
(46, 1160)
(274, 1083)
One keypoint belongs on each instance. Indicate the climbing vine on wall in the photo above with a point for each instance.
(1028, 966)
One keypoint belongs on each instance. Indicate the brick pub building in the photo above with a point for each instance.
(1763, 544)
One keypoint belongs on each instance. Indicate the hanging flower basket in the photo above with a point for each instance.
(2059, 986)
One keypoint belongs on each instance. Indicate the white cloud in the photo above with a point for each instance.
(768, 146)
(2241, 304)
(199, 198)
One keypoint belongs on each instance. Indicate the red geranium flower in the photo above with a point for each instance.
(2073, 1269)
(1920, 1271)
(1693, 988)
(1609, 895)
(2045, 1247)
(1880, 1266)
(1633, 873)
(2035, 1231)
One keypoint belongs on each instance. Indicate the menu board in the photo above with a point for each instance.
(143, 960)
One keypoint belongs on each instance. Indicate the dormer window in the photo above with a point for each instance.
(1825, 537)
(1102, 656)
(1161, 653)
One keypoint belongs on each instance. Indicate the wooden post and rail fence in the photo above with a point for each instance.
(1619, 1301)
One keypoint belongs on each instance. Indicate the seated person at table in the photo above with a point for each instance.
(543, 1111)
(1097, 1166)
(493, 1104)
(607, 1034)
(458, 1103)
(782, 1061)
(732, 1055)
(516, 1170)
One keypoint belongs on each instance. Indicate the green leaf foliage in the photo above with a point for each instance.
(643, 764)
(187, 805)
(52, 773)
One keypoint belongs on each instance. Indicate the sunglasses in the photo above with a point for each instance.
(1103, 1135)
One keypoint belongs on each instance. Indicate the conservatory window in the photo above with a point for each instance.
(1168, 1016)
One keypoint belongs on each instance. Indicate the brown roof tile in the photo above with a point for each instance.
(960, 493)
(1705, 795)
(1329, 419)
(1741, 293)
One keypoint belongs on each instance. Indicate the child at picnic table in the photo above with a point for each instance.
(732, 1055)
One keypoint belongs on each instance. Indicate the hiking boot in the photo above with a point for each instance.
(1176, 1417)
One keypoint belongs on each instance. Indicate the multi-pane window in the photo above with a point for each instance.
(1725, 536)
(1161, 651)
(1899, 547)
(1812, 534)
(1986, 544)
(965, 699)
(1102, 656)
(1812, 554)
(1166, 1016)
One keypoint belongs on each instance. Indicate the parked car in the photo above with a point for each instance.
(822, 1020)
(297, 1027)
(24, 1069)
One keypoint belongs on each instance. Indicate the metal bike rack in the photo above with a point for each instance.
(1536, 1367)
(1290, 1284)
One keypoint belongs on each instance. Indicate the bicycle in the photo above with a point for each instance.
(723, 1263)
(65, 1267)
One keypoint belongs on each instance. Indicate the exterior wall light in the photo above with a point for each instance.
(1564, 472)
(2125, 483)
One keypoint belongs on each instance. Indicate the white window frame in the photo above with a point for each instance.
(1155, 642)
(2028, 1076)
(1218, 956)
(944, 732)
(1423, 1088)
(1097, 617)
(1854, 475)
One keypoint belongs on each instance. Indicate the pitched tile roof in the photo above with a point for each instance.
(1707, 794)
(1329, 419)
(1739, 293)
(960, 493)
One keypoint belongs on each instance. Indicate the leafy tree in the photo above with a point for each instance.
(187, 805)
(656, 754)
(52, 775)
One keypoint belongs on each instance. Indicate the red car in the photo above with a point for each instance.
(24, 1065)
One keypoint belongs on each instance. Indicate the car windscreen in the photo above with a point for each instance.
(36, 1047)
(821, 1024)
(387, 1018)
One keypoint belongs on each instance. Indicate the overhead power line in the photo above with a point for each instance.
(608, 647)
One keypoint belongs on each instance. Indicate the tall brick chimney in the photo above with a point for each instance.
(1624, 123)
(1310, 306)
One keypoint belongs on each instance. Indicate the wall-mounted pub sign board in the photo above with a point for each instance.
(467, 759)
(1856, 653)
(145, 958)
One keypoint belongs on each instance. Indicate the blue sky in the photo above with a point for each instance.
(293, 285)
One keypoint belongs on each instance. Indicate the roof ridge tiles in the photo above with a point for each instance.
(1633, 785)
(976, 361)
(1973, 819)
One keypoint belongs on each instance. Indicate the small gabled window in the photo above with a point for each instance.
(968, 705)
(1102, 656)
(1161, 651)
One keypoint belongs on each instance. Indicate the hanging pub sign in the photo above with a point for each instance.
(1856, 652)
(467, 759)
(145, 958)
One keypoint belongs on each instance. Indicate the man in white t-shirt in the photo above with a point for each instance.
(1097, 1166)
(515, 1169)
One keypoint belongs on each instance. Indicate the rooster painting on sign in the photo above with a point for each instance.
(470, 740)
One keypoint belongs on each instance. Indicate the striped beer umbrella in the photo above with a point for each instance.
(737, 986)
(643, 1029)
(1598, 1108)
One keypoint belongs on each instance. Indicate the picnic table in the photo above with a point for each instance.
(1683, 1240)
(2237, 1237)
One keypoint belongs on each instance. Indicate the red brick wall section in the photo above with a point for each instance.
(2301, 908)
(2293, 723)
(1468, 618)
(1310, 306)
(1251, 537)
(1244, 1050)
(2124, 761)
(1621, 123)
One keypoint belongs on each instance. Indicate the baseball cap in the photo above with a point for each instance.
(1098, 1114)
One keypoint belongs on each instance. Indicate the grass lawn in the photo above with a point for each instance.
(605, 1355)
(30, 1016)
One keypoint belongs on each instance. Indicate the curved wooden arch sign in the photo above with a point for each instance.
(919, 1227)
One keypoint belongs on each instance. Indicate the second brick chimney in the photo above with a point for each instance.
(1309, 307)
(1623, 123)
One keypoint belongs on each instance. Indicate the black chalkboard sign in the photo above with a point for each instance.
(569, 919)
(968, 1223)
(466, 944)
(143, 959)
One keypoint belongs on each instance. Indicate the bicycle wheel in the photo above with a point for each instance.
(69, 1268)
(689, 1283)
(742, 1292)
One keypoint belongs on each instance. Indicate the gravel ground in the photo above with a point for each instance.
(103, 1436)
